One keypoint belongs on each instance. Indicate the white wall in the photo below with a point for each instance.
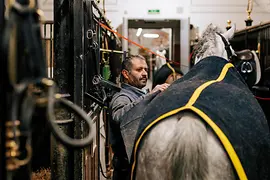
(117, 9)
(47, 7)
(201, 12)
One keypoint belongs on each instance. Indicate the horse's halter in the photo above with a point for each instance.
(173, 71)
(227, 48)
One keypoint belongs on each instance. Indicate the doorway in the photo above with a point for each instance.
(167, 37)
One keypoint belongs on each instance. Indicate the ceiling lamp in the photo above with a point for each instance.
(151, 35)
(139, 31)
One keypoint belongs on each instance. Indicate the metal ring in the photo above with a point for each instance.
(59, 135)
(95, 45)
(246, 67)
(90, 33)
(28, 157)
(96, 80)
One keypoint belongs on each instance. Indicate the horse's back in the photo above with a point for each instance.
(218, 94)
(182, 147)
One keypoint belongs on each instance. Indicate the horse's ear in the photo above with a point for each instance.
(229, 34)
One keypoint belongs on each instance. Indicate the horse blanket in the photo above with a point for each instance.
(214, 90)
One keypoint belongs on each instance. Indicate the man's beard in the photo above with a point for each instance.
(138, 82)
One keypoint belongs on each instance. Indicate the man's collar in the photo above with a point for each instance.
(128, 86)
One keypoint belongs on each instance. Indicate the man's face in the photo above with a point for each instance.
(138, 75)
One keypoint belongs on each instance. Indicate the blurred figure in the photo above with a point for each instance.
(168, 73)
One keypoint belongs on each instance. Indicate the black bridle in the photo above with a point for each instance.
(227, 47)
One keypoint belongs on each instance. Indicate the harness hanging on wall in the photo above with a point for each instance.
(29, 90)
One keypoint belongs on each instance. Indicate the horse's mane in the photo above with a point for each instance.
(207, 41)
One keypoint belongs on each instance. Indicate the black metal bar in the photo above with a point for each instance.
(45, 30)
(91, 63)
(246, 39)
(78, 60)
(98, 121)
(61, 166)
(106, 121)
(95, 57)
(2, 14)
(266, 53)
(62, 160)
(3, 96)
(103, 18)
(253, 29)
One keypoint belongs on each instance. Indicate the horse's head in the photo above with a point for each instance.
(214, 42)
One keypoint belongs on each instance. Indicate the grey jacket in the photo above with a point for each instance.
(121, 103)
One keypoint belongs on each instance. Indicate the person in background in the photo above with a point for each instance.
(168, 73)
(134, 76)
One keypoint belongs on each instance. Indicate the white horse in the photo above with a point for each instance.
(182, 146)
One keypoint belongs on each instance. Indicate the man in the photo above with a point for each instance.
(134, 77)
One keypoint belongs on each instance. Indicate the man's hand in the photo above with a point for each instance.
(160, 87)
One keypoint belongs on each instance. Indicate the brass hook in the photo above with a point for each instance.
(27, 158)
(41, 15)
(103, 58)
